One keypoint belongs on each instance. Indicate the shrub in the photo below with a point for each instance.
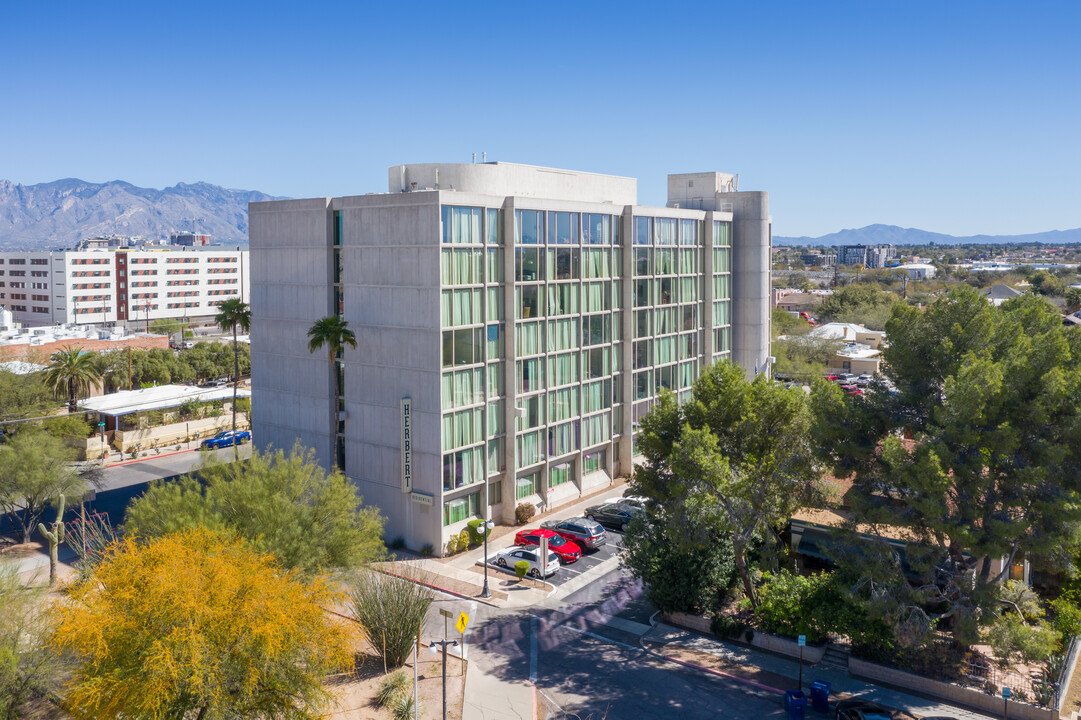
(524, 513)
(678, 579)
(521, 568)
(393, 688)
(404, 709)
(465, 538)
(788, 604)
(726, 626)
(390, 610)
(397, 543)
(1066, 617)
(1012, 640)
(452, 545)
(477, 532)
(427, 550)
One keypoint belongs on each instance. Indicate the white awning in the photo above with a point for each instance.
(156, 398)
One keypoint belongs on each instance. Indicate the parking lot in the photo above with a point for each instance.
(590, 559)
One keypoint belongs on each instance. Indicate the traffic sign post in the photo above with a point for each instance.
(1005, 703)
(802, 641)
(543, 558)
(463, 621)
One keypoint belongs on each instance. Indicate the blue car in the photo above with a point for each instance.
(226, 438)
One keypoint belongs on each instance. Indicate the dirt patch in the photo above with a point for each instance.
(356, 696)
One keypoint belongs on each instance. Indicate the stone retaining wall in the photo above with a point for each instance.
(763, 641)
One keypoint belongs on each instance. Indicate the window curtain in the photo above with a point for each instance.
(529, 339)
(563, 439)
(597, 297)
(562, 404)
(530, 449)
(495, 379)
(597, 429)
(560, 474)
(561, 335)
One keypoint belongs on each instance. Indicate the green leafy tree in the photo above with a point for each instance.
(72, 373)
(678, 578)
(28, 667)
(866, 304)
(735, 459)
(332, 333)
(35, 468)
(232, 314)
(991, 399)
(23, 396)
(286, 505)
(1073, 299)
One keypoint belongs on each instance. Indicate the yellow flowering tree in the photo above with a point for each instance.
(198, 624)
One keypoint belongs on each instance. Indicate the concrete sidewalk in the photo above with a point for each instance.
(768, 671)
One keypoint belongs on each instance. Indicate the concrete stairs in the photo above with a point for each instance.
(836, 657)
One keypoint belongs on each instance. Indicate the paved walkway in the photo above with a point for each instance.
(766, 670)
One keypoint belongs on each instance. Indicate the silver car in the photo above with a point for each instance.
(512, 556)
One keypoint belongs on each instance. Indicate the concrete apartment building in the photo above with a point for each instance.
(870, 256)
(121, 286)
(513, 323)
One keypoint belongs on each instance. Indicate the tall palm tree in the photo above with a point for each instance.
(334, 334)
(71, 374)
(234, 313)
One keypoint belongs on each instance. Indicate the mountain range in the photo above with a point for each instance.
(56, 215)
(894, 235)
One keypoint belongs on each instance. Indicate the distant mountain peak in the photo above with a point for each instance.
(879, 234)
(58, 214)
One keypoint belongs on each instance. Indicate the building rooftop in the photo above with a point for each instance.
(841, 331)
(156, 398)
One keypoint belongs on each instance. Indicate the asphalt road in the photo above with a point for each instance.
(582, 653)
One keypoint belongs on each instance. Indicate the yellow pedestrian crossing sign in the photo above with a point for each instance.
(463, 620)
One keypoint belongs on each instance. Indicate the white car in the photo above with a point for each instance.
(511, 556)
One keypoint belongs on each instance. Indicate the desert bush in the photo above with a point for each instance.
(393, 688)
(427, 550)
(465, 539)
(405, 710)
(524, 513)
(397, 543)
(1013, 640)
(390, 610)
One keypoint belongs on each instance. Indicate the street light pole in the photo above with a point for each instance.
(488, 525)
(433, 651)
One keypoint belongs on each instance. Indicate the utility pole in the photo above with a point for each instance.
(129, 368)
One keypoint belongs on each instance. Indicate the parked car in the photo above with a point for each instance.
(511, 556)
(567, 550)
(855, 391)
(848, 387)
(614, 515)
(846, 378)
(830, 376)
(864, 379)
(866, 710)
(226, 438)
(586, 534)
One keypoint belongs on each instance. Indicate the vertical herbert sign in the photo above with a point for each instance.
(407, 445)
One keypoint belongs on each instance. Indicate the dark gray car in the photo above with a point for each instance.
(614, 515)
(588, 535)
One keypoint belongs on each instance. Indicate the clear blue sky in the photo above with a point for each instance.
(956, 117)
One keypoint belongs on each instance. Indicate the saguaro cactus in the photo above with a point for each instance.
(55, 538)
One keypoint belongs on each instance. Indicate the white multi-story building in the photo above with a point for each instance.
(121, 286)
(514, 323)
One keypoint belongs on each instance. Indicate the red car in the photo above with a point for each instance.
(831, 376)
(567, 551)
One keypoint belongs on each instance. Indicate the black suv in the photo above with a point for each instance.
(615, 515)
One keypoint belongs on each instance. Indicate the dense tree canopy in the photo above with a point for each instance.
(35, 468)
(734, 460)
(286, 505)
(864, 303)
(199, 624)
(991, 399)
(204, 361)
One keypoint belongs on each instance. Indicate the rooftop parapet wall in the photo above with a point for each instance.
(511, 179)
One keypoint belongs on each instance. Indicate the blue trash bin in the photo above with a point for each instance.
(820, 696)
(795, 702)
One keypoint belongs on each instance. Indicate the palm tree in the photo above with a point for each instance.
(334, 334)
(72, 373)
(234, 313)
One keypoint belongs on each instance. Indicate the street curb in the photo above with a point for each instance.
(508, 571)
(436, 587)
